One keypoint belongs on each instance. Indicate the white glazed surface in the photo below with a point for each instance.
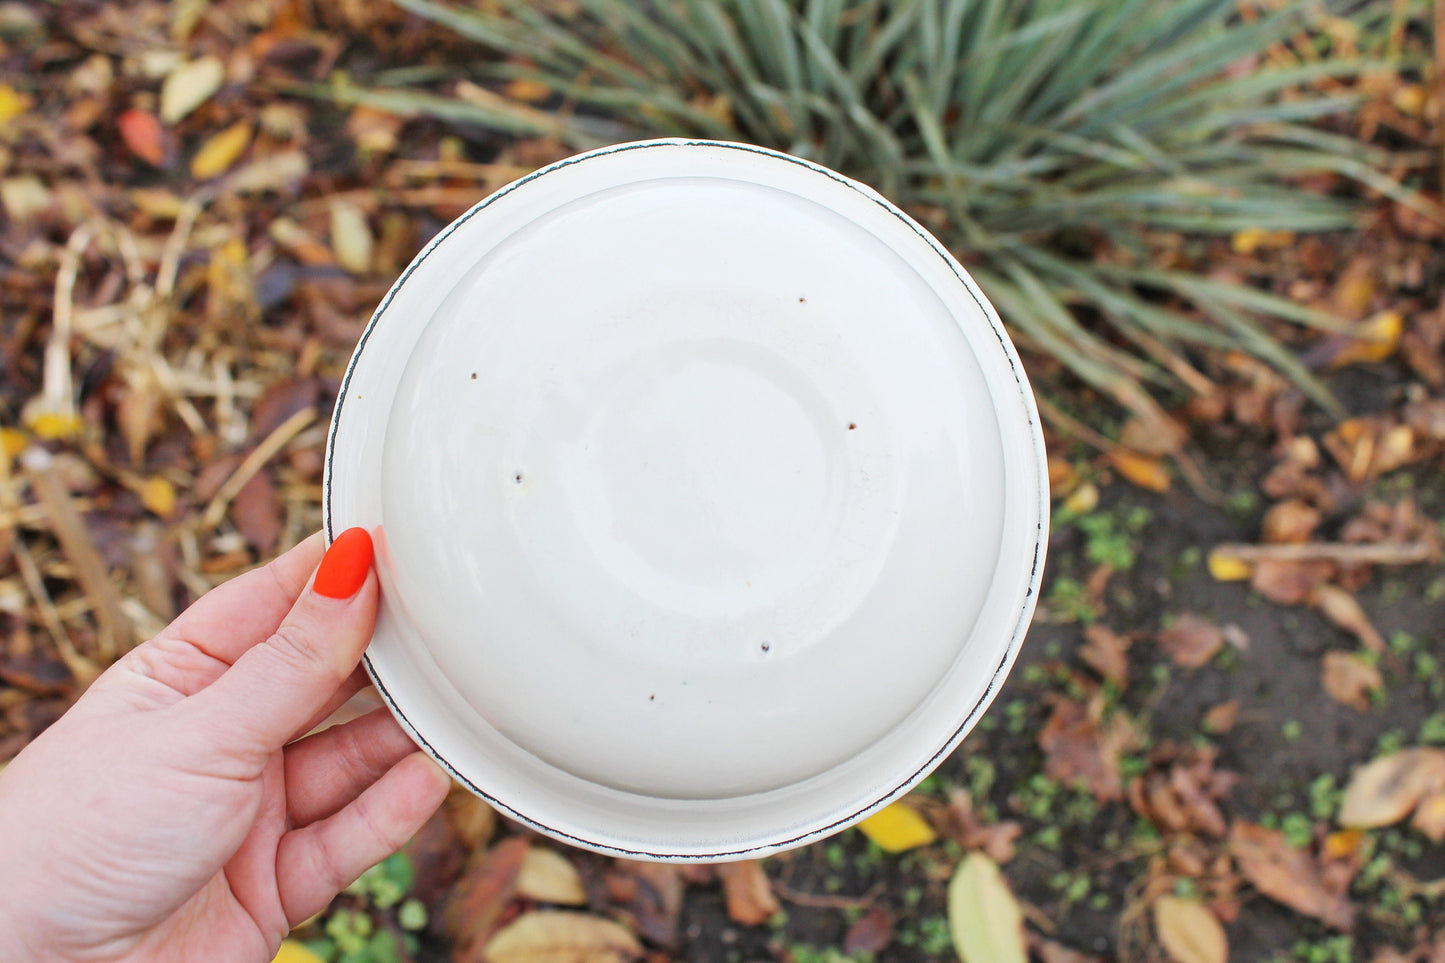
(711, 496)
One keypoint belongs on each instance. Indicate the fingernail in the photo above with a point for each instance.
(344, 566)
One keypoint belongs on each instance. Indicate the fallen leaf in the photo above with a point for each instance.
(869, 933)
(437, 858)
(525, 89)
(1191, 641)
(12, 104)
(1224, 567)
(220, 151)
(1373, 340)
(983, 916)
(1290, 521)
(1106, 652)
(1141, 470)
(189, 86)
(1385, 790)
(1289, 582)
(1189, 932)
(650, 896)
(142, 135)
(962, 824)
(1341, 608)
(12, 442)
(548, 877)
(374, 131)
(158, 496)
(25, 198)
(1288, 875)
(1154, 435)
(1349, 679)
(897, 827)
(555, 936)
(294, 952)
(1083, 499)
(480, 897)
(1251, 239)
(256, 511)
(472, 819)
(1429, 819)
(351, 237)
(1181, 791)
(1079, 751)
(1050, 952)
(1220, 719)
(748, 892)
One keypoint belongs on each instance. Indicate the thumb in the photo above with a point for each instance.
(278, 685)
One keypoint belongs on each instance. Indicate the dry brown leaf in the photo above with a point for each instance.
(1385, 790)
(1144, 471)
(1289, 876)
(1181, 791)
(1349, 679)
(869, 933)
(1106, 652)
(554, 936)
(480, 897)
(256, 510)
(1153, 436)
(547, 877)
(748, 892)
(1289, 582)
(1341, 608)
(1291, 520)
(1050, 952)
(471, 818)
(1429, 819)
(649, 896)
(1189, 932)
(1220, 718)
(1078, 750)
(1191, 641)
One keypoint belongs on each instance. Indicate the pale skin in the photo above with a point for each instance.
(180, 812)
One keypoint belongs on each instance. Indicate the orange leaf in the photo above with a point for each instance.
(221, 151)
(749, 894)
(143, 135)
(1141, 470)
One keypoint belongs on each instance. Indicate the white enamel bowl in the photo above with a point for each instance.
(712, 497)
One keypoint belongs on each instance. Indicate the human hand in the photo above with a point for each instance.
(176, 812)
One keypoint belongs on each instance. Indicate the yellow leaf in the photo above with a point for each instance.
(1189, 932)
(1374, 340)
(54, 425)
(1228, 568)
(550, 936)
(293, 952)
(12, 104)
(1252, 239)
(983, 917)
(1084, 499)
(530, 91)
(1343, 843)
(221, 151)
(1142, 470)
(547, 877)
(897, 827)
(12, 442)
(157, 495)
(189, 86)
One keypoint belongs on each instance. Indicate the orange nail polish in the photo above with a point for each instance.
(344, 566)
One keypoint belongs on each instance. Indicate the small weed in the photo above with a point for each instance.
(1242, 504)
(1393, 592)
(1390, 742)
(1298, 829)
(1435, 591)
(1050, 837)
(1331, 949)
(1291, 730)
(1324, 797)
(935, 938)
(1185, 888)
(1105, 543)
(1402, 642)
(1070, 602)
(805, 953)
(1432, 730)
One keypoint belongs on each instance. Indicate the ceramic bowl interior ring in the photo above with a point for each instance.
(711, 495)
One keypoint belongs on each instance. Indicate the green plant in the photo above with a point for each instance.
(1047, 141)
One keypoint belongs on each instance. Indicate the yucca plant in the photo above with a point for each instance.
(1034, 135)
